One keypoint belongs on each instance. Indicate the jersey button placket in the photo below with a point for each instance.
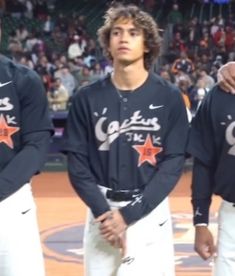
(123, 140)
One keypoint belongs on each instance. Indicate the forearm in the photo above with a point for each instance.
(85, 185)
(202, 189)
(25, 164)
(160, 186)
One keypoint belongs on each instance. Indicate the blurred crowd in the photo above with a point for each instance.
(67, 56)
(195, 52)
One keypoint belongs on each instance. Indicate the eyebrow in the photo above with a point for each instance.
(116, 28)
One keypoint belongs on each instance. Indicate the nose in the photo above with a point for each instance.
(124, 36)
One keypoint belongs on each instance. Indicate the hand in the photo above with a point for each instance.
(120, 242)
(226, 77)
(204, 242)
(112, 228)
(112, 223)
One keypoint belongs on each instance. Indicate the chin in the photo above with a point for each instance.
(125, 61)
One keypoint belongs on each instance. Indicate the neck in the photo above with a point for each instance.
(129, 77)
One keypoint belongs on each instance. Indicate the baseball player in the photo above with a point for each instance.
(125, 139)
(25, 131)
(211, 143)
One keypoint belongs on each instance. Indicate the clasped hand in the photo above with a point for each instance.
(112, 228)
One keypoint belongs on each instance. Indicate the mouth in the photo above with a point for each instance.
(123, 49)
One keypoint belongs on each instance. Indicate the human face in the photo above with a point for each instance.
(126, 43)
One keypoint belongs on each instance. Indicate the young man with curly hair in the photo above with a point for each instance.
(125, 139)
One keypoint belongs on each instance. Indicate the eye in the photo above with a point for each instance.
(134, 33)
(115, 33)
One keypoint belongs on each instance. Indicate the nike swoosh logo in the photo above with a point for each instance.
(4, 83)
(161, 224)
(155, 106)
(25, 212)
(128, 260)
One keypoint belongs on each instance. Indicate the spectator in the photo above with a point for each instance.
(97, 72)
(22, 33)
(29, 9)
(184, 86)
(174, 17)
(48, 25)
(67, 79)
(58, 95)
(84, 75)
(24, 60)
(220, 37)
(206, 79)
(74, 49)
(178, 45)
(183, 63)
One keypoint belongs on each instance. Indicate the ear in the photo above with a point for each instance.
(146, 50)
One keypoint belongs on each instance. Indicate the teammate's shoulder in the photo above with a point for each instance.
(216, 92)
(16, 70)
(165, 85)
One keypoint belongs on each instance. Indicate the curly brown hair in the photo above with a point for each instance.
(141, 20)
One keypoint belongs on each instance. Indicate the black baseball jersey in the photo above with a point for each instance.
(124, 141)
(25, 125)
(212, 143)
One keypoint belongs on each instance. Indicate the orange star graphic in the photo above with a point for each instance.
(6, 132)
(147, 152)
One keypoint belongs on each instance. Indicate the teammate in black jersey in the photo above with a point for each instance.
(25, 130)
(125, 139)
(212, 148)
(212, 144)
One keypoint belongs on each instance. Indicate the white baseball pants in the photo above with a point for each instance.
(149, 247)
(225, 260)
(20, 247)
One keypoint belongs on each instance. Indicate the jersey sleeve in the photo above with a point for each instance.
(25, 164)
(34, 111)
(77, 147)
(201, 145)
(201, 136)
(202, 189)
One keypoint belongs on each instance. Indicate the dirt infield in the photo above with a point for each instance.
(62, 215)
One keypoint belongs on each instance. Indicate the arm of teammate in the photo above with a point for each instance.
(201, 146)
(28, 162)
(35, 130)
(226, 77)
(202, 183)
